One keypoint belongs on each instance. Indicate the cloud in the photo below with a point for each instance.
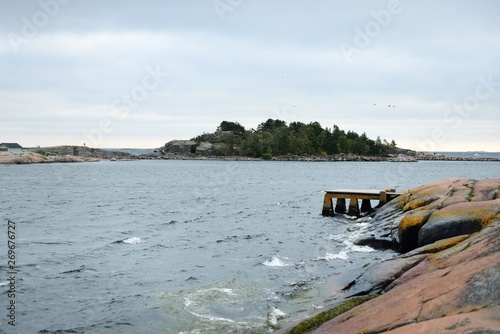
(260, 60)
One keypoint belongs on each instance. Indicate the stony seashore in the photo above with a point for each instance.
(62, 153)
(447, 278)
(33, 158)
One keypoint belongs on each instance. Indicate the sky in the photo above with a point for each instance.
(137, 74)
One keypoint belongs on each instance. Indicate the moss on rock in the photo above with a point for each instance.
(313, 323)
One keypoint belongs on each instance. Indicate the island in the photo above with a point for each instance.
(273, 140)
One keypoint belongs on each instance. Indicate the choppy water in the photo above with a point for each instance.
(184, 246)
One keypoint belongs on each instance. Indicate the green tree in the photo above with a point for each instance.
(281, 142)
(274, 137)
(252, 146)
(323, 141)
(344, 144)
(235, 127)
(270, 125)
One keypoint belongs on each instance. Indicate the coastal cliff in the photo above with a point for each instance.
(446, 281)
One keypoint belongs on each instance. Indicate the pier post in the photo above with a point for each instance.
(353, 207)
(384, 198)
(366, 205)
(327, 205)
(340, 205)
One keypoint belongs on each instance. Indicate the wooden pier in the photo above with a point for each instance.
(383, 196)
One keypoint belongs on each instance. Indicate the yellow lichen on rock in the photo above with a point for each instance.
(446, 209)
(414, 219)
(432, 192)
(409, 227)
(445, 243)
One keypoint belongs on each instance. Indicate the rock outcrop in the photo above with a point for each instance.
(34, 158)
(180, 147)
(80, 151)
(402, 158)
(436, 211)
(190, 149)
(442, 157)
(448, 279)
(456, 290)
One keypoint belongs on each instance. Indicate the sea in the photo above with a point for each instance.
(183, 246)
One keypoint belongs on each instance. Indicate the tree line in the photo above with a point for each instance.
(275, 137)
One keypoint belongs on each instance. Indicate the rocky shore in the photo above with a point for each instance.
(447, 279)
(448, 158)
(85, 154)
(62, 154)
(315, 158)
(34, 158)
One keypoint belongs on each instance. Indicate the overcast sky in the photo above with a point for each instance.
(140, 73)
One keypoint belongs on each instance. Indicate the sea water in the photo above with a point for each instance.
(185, 246)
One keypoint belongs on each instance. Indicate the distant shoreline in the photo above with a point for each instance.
(34, 158)
(320, 158)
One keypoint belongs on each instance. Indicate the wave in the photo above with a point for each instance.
(359, 249)
(198, 299)
(274, 316)
(211, 317)
(344, 254)
(277, 261)
(81, 269)
(130, 241)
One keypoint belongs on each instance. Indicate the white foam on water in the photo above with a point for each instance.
(274, 315)
(350, 247)
(355, 248)
(277, 261)
(362, 225)
(187, 302)
(336, 237)
(201, 295)
(211, 317)
(4, 283)
(132, 240)
(342, 255)
(226, 291)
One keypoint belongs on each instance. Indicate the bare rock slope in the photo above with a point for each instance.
(447, 280)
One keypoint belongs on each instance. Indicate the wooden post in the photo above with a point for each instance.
(340, 205)
(382, 198)
(353, 207)
(366, 205)
(327, 205)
